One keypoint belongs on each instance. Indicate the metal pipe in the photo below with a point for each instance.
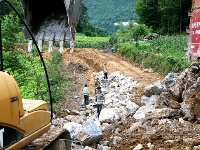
(41, 58)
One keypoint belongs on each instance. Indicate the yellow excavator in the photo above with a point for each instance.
(22, 120)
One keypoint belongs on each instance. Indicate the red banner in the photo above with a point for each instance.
(195, 32)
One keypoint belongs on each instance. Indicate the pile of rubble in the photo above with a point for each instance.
(166, 107)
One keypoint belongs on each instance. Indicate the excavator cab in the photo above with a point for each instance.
(21, 121)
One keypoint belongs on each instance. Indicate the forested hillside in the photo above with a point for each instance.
(164, 16)
(105, 13)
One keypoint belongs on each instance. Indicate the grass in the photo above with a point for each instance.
(83, 41)
(164, 54)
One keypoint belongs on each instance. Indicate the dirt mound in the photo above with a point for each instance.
(75, 67)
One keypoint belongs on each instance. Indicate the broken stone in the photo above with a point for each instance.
(78, 119)
(88, 148)
(93, 131)
(191, 104)
(117, 131)
(138, 147)
(153, 89)
(152, 100)
(191, 140)
(75, 112)
(106, 127)
(116, 139)
(170, 79)
(76, 97)
(196, 147)
(150, 145)
(106, 143)
(101, 147)
(74, 128)
(171, 141)
(162, 113)
(140, 113)
(69, 117)
(136, 125)
(165, 100)
(175, 104)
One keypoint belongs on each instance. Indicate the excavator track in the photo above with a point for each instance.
(55, 138)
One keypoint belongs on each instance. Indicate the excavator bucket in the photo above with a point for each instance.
(51, 21)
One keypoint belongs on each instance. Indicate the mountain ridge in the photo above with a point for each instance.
(105, 13)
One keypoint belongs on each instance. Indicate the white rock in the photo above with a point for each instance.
(149, 100)
(132, 106)
(88, 148)
(77, 119)
(105, 126)
(107, 114)
(140, 113)
(196, 147)
(138, 147)
(153, 89)
(90, 133)
(116, 139)
(150, 145)
(162, 113)
(74, 128)
(101, 147)
(181, 120)
(135, 126)
(164, 121)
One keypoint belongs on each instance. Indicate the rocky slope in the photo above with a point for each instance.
(143, 110)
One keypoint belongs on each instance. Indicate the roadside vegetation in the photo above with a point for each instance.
(83, 41)
(164, 54)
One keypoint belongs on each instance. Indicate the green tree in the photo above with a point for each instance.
(164, 16)
(133, 31)
(84, 19)
(59, 79)
(175, 14)
(10, 29)
(123, 35)
(148, 12)
(138, 32)
(5, 9)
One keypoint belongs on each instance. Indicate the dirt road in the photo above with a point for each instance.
(97, 60)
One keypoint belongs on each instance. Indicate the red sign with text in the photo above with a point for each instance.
(195, 32)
